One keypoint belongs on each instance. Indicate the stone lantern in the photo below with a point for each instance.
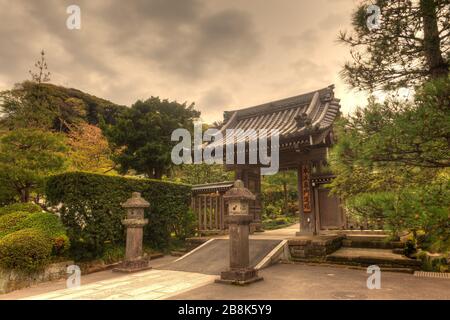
(134, 223)
(239, 220)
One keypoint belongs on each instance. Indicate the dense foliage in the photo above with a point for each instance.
(89, 149)
(26, 157)
(392, 164)
(411, 44)
(91, 209)
(142, 135)
(201, 173)
(279, 194)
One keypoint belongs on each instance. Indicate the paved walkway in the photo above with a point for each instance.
(281, 234)
(282, 281)
(312, 282)
(148, 285)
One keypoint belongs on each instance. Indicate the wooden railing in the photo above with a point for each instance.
(209, 209)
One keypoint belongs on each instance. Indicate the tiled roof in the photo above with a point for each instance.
(310, 115)
(212, 187)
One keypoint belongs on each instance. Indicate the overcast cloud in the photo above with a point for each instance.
(220, 54)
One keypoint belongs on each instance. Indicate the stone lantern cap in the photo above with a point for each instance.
(239, 192)
(136, 201)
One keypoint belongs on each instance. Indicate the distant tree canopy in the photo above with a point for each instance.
(201, 173)
(89, 150)
(27, 156)
(411, 45)
(142, 135)
(280, 191)
(49, 107)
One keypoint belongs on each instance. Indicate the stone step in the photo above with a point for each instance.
(366, 257)
(398, 250)
(351, 266)
(363, 232)
(372, 244)
(367, 237)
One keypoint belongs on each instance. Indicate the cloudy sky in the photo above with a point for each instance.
(220, 54)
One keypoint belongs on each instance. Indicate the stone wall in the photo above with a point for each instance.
(11, 280)
(314, 248)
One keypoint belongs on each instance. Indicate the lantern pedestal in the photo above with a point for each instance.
(239, 277)
(134, 223)
(133, 266)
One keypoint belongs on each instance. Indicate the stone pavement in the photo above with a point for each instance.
(281, 281)
(312, 282)
(147, 285)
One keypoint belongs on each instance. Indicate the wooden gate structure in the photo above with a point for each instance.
(209, 207)
(305, 126)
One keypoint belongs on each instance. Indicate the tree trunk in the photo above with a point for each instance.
(25, 195)
(155, 173)
(438, 67)
(158, 174)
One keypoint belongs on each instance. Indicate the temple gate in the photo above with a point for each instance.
(305, 124)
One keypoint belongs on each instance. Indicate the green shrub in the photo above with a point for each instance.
(9, 222)
(433, 262)
(23, 207)
(185, 226)
(410, 248)
(25, 250)
(279, 222)
(424, 209)
(113, 253)
(51, 226)
(271, 211)
(92, 213)
(46, 222)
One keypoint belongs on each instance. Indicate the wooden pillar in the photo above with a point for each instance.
(210, 213)
(205, 215)
(317, 209)
(222, 213)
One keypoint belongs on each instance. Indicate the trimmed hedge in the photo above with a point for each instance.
(27, 250)
(92, 213)
(22, 207)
